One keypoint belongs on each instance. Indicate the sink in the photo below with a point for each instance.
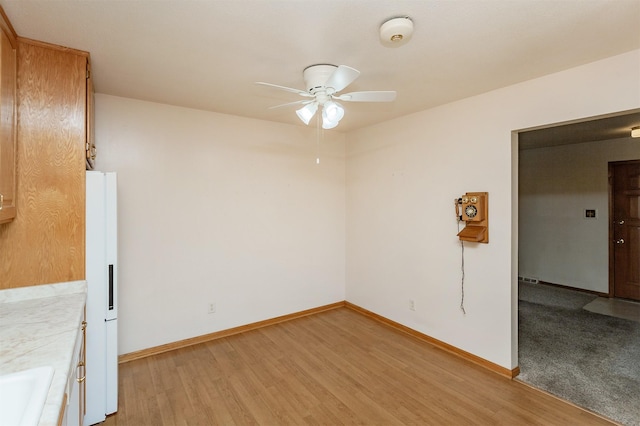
(23, 394)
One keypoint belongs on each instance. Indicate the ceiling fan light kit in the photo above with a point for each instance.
(332, 113)
(396, 31)
(307, 112)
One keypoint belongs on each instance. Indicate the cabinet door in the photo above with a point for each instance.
(49, 228)
(7, 128)
(74, 415)
(82, 395)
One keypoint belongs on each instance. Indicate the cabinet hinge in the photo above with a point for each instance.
(88, 74)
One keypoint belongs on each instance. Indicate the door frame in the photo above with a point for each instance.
(611, 166)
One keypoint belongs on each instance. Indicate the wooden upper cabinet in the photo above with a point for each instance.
(45, 243)
(46, 109)
(8, 80)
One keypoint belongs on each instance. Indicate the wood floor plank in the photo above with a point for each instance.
(331, 368)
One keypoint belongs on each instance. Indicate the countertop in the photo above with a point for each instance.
(39, 326)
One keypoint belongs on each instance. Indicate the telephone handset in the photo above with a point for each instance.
(472, 208)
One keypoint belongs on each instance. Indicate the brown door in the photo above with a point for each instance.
(625, 245)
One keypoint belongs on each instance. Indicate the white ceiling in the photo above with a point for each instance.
(208, 54)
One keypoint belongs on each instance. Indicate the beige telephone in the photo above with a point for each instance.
(473, 208)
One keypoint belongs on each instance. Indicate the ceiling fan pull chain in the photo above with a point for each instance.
(319, 134)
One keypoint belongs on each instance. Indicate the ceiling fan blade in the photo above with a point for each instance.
(342, 77)
(369, 96)
(287, 89)
(290, 103)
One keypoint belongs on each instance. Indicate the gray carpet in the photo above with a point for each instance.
(590, 359)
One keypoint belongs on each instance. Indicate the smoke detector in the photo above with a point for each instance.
(396, 31)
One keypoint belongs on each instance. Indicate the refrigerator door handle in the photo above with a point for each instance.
(111, 287)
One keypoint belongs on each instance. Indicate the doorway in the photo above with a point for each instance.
(565, 204)
(570, 203)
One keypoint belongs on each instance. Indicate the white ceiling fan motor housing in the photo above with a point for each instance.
(396, 31)
(316, 76)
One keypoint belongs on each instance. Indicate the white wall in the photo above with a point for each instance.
(217, 208)
(402, 178)
(557, 244)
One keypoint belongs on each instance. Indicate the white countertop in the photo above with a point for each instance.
(39, 326)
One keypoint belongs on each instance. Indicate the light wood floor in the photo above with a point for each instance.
(332, 368)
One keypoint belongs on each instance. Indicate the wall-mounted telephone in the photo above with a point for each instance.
(473, 208)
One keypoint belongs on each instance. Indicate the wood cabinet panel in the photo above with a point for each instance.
(45, 242)
(8, 46)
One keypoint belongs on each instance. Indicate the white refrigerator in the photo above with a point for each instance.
(102, 307)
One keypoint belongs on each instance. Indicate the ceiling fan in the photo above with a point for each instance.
(323, 82)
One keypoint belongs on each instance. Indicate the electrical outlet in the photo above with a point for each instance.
(412, 305)
(212, 308)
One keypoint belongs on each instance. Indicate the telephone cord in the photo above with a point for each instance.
(462, 280)
(462, 269)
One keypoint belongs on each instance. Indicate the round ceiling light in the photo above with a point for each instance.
(396, 31)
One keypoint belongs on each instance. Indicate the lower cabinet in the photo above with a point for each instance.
(74, 407)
